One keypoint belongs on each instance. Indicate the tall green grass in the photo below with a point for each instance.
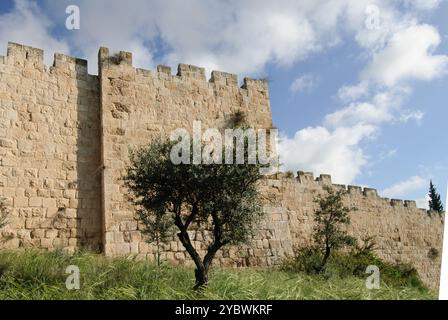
(41, 275)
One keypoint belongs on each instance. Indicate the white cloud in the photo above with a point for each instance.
(408, 56)
(423, 4)
(409, 115)
(354, 92)
(402, 188)
(28, 25)
(303, 83)
(234, 36)
(423, 202)
(384, 106)
(323, 151)
(358, 113)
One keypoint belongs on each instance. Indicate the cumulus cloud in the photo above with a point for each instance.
(402, 188)
(28, 25)
(384, 106)
(358, 113)
(407, 56)
(235, 36)
(303, 83)
(320, 150)
(353, 92)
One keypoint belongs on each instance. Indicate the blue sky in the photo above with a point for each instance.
(358, 88)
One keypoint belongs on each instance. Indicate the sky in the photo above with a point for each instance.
(358, 88)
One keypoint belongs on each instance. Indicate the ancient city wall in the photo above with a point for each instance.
(50, 156)
(64, 146)
(402, 232)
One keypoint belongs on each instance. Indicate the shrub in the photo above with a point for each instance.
(238, 119)
(306, 260)
(355, 263)
(290, 174)
(433, 253)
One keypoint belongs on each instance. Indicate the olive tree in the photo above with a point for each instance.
(329, 218)
(219, 198)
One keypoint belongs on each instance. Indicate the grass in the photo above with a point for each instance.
(41, 276)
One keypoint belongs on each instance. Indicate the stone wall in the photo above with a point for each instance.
(49, 149)
(64, 144)
(402, 232)
(138, 105)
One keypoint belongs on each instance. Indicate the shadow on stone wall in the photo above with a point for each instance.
(88, 160)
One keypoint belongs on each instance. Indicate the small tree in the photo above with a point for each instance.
(329, 218)
(218, 197)
(157, 227)
(435, 204)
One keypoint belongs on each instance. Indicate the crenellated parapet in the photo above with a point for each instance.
(308, 180)
(32, 59)
(185, 72)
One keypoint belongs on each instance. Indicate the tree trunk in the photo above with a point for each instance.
(201, 275)
(158, 253)
(324, 260)
(202, 266)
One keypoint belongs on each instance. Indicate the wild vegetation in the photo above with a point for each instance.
(41, 275)
(326, 258)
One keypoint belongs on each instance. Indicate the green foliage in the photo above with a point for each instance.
(435, 204)
(329, 218)
(157, 227)
(306, 260)
(41, 275)
(354, 263)
(220, 197)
